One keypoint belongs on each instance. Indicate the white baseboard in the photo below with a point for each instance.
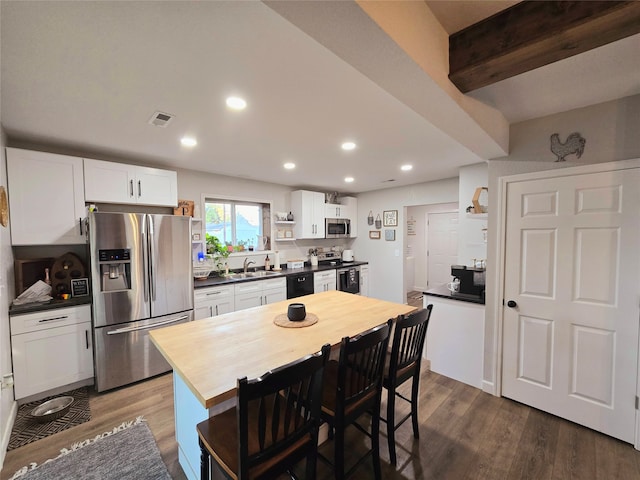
(6, 434)
(489, 387)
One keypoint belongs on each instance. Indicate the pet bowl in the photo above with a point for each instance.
(296, 312)
(52, 409)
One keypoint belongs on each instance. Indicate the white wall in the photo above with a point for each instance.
(611, 133)
(7, 403)
(470, 239)
(386, 258)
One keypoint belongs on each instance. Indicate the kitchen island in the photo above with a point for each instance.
(209, 355)
(455, 340)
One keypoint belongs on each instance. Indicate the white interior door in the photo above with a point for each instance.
(442, 247)
(572, 268)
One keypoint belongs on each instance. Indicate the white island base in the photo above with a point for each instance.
(455, 339)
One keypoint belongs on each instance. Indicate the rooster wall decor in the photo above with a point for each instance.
(574, 144)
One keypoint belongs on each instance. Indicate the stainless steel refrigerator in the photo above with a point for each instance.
(142, 279)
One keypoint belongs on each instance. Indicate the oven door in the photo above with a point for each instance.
(349, 280)
(337, 228)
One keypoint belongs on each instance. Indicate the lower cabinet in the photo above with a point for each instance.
(51, 349)
(212, 301)
(324, 281)
(263, 292)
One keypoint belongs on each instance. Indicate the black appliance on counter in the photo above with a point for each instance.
(299, 284)
(472, 280)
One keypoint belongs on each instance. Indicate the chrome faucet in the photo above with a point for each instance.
(247, 263)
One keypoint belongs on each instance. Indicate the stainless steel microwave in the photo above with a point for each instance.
(337, 228)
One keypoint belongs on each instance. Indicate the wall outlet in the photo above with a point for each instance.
(7, 381)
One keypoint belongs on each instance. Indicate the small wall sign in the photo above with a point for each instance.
(374, 234)
(390, 235)
(390, 218)
(79, 287)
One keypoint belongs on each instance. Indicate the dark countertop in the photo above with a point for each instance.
(215, 280)
(443, 292)
(52, 304)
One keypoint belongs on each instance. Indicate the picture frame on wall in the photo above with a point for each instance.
(390, 235)
(390, 218)
(374, 234)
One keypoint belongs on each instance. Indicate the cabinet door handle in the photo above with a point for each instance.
(131, 188)
(213, 293)
(210, 311)
(139, 188)
(86, 338)
(80, 225)
(52, 319)
(217, 310)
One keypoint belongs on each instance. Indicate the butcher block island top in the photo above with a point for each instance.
(211, 354)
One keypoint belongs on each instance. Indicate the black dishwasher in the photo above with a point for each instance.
(299, 284)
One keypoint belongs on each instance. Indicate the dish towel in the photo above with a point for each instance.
(352, 281)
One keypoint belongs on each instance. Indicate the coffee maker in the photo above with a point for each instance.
(472, 280)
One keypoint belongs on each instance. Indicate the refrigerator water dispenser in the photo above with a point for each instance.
(115, 269)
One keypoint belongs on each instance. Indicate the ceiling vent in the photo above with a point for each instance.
(160, 119)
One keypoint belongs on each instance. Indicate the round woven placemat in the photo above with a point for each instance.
(283, 321)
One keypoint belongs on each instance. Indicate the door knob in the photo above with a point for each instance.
(511, 304)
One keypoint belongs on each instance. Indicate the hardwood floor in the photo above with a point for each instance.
(464, 434)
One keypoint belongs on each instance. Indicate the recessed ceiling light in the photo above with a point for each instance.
(406, 168)
(348, 146)
(348, 179)
(236, 103)
(188, 141)
(289, 165)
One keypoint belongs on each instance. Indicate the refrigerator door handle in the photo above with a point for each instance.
(145, 264)
(146, 327)
(152, 265)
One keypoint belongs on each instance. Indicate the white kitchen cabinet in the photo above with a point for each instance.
(212, 301)
(308, 210)
(350, 208)
(324, 281)
(46, 198)
(261, 292)
(364, 280)
(111, 182)
(333, 210)
(51, 349)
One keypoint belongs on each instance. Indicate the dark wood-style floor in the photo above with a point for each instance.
(464, 434)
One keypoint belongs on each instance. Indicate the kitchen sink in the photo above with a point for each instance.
(262, 273)
(258, 274)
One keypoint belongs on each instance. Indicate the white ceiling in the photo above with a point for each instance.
(87, 76)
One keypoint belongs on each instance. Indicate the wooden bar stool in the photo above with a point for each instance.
(353, 387)
(404, 364)
(274, 426)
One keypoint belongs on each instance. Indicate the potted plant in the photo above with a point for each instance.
(217, 251)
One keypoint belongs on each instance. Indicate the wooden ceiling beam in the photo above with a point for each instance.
(532, 34)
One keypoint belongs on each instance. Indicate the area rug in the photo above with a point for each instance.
(127, 452)
(26, 429)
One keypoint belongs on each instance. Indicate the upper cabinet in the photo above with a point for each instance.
(308, 210)
(110, 182)
(46, 198)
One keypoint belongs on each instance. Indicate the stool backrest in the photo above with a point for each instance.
(361, 367)
(408, 343)
(287, 403)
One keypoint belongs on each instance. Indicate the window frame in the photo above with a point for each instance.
(265, 224)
